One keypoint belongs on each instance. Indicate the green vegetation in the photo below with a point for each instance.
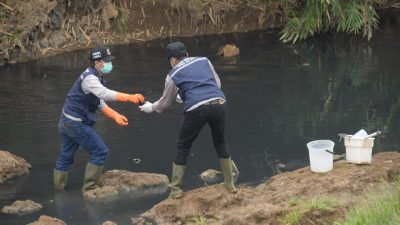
(293, 201)
(199, 220)
(356, 16)
(381, 207)
(122, 19)
(294, 216)
(324, 204)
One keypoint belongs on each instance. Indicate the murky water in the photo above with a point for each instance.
(280, 97)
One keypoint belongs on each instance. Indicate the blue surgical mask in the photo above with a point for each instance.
(107, 68)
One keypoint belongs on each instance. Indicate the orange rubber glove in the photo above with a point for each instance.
(118, 118)
(135, 98)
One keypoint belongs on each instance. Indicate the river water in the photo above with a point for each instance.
(280, 96)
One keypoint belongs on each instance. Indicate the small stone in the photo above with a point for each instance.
(12, 166)
(229, 50)
(47, 220)
(109, 223)
(211, 176)
(136, 160)
(57, 38)
(44, 43)
(22, 207)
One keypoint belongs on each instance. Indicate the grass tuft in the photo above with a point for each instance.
(199, 220)
(380, 207)
(294, 216)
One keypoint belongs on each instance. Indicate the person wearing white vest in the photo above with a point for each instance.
(199, 88)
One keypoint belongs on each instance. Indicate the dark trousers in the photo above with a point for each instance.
(193, 121)
(74, 134)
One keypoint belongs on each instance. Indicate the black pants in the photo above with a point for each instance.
(193, 121)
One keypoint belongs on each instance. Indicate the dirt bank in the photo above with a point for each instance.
(35, 28)
(269, 202)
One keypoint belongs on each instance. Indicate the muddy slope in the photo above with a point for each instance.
(270, 202)
(34, 28)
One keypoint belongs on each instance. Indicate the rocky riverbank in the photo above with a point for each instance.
(298, 191)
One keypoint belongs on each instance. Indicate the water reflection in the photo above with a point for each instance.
(279, 98)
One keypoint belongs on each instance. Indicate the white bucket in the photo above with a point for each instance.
(358, 150)
(321, 155)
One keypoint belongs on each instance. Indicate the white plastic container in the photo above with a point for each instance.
(358, 150)
(321, 155)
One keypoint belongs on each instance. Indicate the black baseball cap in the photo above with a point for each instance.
(176, 49)
(101, 53)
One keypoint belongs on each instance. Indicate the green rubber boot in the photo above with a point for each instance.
(176, 181)
(60, 179)
(92, 175)
(226, 167)
(235, 172)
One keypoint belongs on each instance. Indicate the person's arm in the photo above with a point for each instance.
(168, 97)
(92, 84)
(216, 77)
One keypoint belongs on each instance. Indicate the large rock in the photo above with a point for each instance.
(12, 166)
(57, 38)
(117, 183)
(47, 220)
(22, 207)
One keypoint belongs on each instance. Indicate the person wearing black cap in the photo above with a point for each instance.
(199, 88)
(87, 95)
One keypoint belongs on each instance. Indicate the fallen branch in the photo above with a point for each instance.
(3, 32)
(84, 34)
(7, 7)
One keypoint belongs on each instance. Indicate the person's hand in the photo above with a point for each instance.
(147, 107)
(134, 98)
(121, 120)
(118, 118)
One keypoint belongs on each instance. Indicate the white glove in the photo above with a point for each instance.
(147, 107)
(179, 99)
